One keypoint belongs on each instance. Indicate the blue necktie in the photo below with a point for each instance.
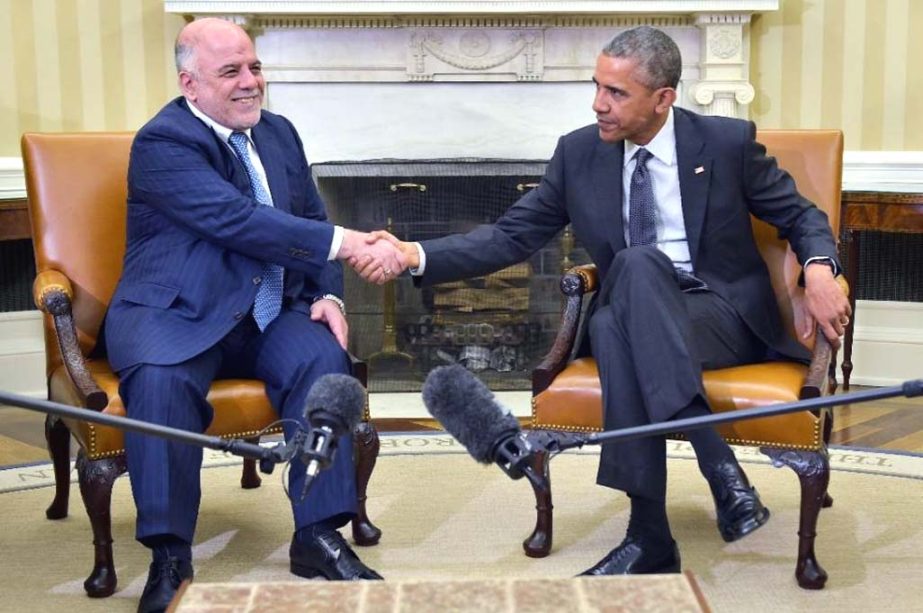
(642, 212)
(268, 301)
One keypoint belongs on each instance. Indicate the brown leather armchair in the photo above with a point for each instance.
(566, 392)
(77, 204)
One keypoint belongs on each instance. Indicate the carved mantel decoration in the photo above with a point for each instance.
(549, 45)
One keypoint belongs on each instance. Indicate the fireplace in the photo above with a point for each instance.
(499, 325)
(461, 93)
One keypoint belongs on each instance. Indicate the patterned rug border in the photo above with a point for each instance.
(881, 462)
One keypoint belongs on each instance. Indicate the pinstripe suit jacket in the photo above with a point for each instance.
(196, 238)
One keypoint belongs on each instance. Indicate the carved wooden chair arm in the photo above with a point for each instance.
(360, 370)
(817, 379)
(575, 284)
(52, 292)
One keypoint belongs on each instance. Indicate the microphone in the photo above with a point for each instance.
(468, 411)
(333, 408)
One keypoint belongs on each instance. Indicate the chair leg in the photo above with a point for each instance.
(831, 374)
(58, 439)
(538, 544)
(96, 480)
(366, 445)
(813, 470)
(249, 478)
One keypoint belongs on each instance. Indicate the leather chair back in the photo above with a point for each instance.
(814, 158)
(85, 239)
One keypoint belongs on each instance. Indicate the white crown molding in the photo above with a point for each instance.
(12, 180)
(456, 7)
(881, 171)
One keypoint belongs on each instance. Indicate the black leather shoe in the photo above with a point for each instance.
(737, 504)
(163, 579)
(328, 555)
(633, 557)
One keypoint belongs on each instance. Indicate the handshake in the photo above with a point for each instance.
(378, 257)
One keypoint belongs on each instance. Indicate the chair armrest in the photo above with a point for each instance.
(52, 292)
(816, 382)
(575, 284)
(360, 370)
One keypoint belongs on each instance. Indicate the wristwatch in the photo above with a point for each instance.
(335, 299)
(823, 260)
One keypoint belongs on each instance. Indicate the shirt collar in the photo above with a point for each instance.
(662, 146)
(222, 131)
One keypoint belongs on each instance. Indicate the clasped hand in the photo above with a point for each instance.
(378, 257)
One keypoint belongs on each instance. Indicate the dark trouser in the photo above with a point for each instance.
(288, 356)
(651, 342)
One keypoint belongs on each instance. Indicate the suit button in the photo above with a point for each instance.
(238, 315)
(257, 280)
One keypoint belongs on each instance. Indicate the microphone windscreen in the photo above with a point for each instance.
(338, 395)
(467, 410)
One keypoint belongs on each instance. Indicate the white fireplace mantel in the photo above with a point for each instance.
(457, 7)
(365, 79)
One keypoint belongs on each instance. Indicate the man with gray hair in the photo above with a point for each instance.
(231, 270)
(661, 198)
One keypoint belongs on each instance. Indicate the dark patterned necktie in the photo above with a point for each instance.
(268, 301)
(642, 211)
(642, 218)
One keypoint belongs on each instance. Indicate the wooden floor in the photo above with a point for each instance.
(895, 424)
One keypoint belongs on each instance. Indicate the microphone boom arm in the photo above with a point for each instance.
(909, 389)
(268, 456)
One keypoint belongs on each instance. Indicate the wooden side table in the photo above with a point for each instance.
(14, 220)
(878, 211)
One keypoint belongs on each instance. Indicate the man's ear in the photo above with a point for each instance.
(187, 85)
(665, 99)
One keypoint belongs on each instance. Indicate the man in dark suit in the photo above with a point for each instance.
(230, 271)
(661, 198)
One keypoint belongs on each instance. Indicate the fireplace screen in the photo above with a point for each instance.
(498, 326)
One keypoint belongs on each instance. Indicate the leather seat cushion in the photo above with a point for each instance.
(573, 403)
(241, 409)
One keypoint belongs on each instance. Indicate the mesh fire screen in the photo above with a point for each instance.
(499, 326)
(17, 270)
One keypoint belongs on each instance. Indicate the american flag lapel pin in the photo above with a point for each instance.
(699, 170)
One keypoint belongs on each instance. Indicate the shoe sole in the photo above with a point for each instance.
(745, 526)
(307, 572)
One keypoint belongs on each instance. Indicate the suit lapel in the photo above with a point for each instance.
(273, 160)
(607, 180)
(695, 168)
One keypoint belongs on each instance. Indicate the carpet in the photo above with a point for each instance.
(446, 517)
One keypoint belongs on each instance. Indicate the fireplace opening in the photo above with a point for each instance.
(498, 326)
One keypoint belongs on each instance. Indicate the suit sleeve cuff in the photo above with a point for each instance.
(419, 270)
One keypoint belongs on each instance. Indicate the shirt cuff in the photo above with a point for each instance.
(418, 271)
(336, 243)
(825, 260)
